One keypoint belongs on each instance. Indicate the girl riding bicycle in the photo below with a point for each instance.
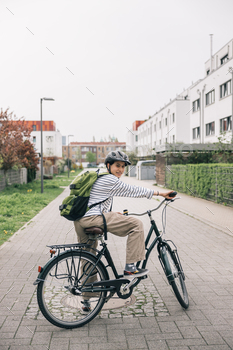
(103, 190)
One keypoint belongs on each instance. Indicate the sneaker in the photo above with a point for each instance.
(136, 273)
(86, 306)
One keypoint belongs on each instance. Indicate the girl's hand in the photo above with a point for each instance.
(164, 194)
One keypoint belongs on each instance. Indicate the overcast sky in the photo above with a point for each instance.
(106, 63)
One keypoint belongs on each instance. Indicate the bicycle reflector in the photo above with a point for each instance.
(40, 269)
(52, 251)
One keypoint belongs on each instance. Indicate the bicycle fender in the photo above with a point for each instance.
(39, 277)
(166, 265)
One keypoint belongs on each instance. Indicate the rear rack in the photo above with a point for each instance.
(69, 246)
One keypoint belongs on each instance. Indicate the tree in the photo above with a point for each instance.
(14, 150)
(27, 156)
(91, 157)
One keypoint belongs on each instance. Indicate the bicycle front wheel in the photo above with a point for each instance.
(60, 294)
(174, 273)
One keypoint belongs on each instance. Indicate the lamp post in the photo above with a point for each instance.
(41, 139)
(231, 70)
(69, 156)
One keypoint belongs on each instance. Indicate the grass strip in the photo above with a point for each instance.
(20, 203)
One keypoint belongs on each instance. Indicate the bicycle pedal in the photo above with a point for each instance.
(144, 277)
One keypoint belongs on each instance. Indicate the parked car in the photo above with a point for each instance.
(101, 165)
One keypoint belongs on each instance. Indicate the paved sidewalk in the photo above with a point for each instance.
(206, 253)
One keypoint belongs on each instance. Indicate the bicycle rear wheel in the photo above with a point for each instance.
(60, 294)
(174, 273)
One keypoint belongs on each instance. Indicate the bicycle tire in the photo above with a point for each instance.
(174, 273)
(57, 303)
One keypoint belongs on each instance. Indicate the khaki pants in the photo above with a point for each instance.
(119, 225)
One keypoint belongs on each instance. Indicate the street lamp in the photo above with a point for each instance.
(41, 131)
(231, 71)
(69, 156)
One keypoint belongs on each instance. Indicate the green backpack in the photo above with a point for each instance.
(75, 205)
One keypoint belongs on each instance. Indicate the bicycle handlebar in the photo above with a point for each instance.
(125, 211)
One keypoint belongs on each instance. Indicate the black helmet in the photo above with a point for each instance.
(117, 155)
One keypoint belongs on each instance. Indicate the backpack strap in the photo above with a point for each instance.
(105, 227)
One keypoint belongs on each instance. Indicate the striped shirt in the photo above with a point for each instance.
(108, 186)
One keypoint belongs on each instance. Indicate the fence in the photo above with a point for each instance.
(13, 177)
(209, 181)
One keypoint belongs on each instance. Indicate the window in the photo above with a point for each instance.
(196, 133)
(34, 139)
(49, 138)
(224, 59)
(225, 89)
(210, 98)
(166, 140)
(173, 138)
(208, 72)
(99, 148)
(210, 129)
(226, 124)
(34, 127)
(173, 117)
(165, 121)
(102, 149)
(155, 127)
(99, 155)
(94, 149)
(196, 105)
(136, 137)
(83, 148)
(160, 142)
(160, 125)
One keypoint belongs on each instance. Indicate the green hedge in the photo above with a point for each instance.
(208, 181)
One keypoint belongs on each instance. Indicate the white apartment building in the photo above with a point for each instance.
(52, 143)
(52, 138)
(169, 125)
(200, 114)
(211, 99)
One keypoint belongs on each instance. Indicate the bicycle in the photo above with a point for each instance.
(74, 274)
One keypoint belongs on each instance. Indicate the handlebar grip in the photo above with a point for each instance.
(173, 194)
(125, 212)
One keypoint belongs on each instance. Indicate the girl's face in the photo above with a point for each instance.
(117, 168)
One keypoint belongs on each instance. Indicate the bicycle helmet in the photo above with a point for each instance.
(117, 155)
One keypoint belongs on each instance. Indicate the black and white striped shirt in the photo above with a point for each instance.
(108, 186)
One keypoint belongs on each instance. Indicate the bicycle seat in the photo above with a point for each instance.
(94, 231)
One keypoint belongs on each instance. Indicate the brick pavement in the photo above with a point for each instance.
(206, 254)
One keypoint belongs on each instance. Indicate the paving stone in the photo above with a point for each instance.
(80, 347)
(157, 345)
(108, 346)
(212, 338)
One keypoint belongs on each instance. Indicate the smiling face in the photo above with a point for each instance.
(117, 168)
